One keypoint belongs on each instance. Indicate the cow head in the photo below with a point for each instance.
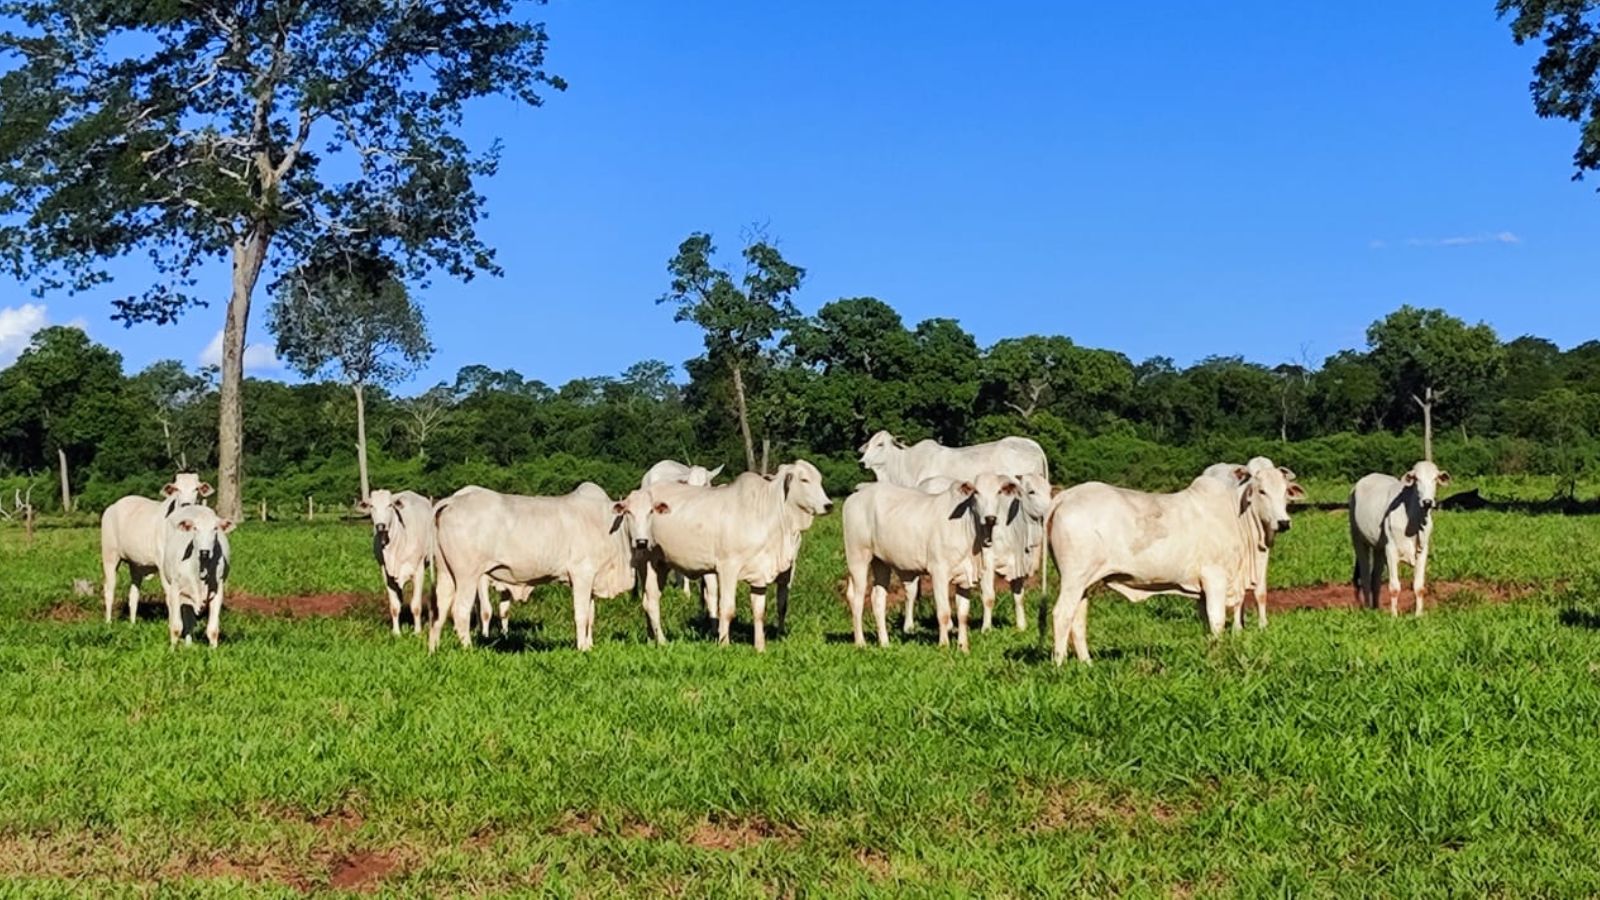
(186, 489)
(985, 498)
(634, 512)
(1426, 477)
(1036, 495)
(802, 488)
(204, 529)
(879, 449)
(1274, 488)
(381, 507)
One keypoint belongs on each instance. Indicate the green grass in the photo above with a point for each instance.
(1337, 753)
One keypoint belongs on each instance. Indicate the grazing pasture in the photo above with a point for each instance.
(1338, 752)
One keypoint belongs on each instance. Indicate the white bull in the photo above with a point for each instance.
(581, 539)
(945, 535)
(1196, 543)
(748, 530)
(194, 569)
(1016, 555)
(1391, 522)
(670, 470)
(402, 543)
(1275, 487)
(892, 461)
(132, 531)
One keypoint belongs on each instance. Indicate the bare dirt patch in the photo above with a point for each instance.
(1343, 596)
(875, 862)
(735, 834)
(363, 871)
(66, 611)
(309, 606)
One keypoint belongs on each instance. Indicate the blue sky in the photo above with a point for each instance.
(1255, 178)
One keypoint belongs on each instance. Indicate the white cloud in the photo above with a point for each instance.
(256, 356)
(18, 325)
(1464, 240)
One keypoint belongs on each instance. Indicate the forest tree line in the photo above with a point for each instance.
(818, 386)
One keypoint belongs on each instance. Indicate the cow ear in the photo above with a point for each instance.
(788, 479)
(186, 525)
(169, 489)
(966, 489)
(1287, 472)
(661, 508)
(364, 505)
(1246, 498)
(225, 525)
(205, 489)
(1408, 478)
(1009, 488)
(1241, 474)
(619, 507)
(1444, 477)
(1295, 491)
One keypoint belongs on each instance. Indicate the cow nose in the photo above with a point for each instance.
(990, 520)
(1283, 524)
(827, 507)
(641, 544)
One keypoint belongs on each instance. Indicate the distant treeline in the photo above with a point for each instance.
(828, 382)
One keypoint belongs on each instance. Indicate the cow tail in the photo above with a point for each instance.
(1044, 566)
(443, 574)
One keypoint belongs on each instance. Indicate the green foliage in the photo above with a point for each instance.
(1566, 79)
(352, 314)
(1423, 353)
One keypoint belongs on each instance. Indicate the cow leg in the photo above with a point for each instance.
(1019, 591)
(214, 619)
(391, 590)
(1063, 615)
(108, 571)
(485, 607)
(708, 596)
(654, 575)
(758, 616)
(913, 587)
(1419, 575)
(1261, 604)
(174, 616)
(136, 574)
(964, 610)
(727, 594)
(880, 600)
(941, 604)
(1214, 585)
(416, 601)
(1391, 555)
(582, 594)
(461, 604)
(1238, 616)
(784, 579)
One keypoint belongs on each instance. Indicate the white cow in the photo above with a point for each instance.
(402, 543)
(1015, 556)
(194, 570)
(1391, 521)
(507, 593)
(892, 461)
(681, 473)
(1275, 487)
(892, 528)
(581, 539)
(132, 532)
(1196, 542)
(670, 470)
(748, 530)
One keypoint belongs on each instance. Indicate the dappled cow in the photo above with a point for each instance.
(1016, 554)
(680, 473)
(892, 528)
(1275, 487)
(132, 532)
(1196, 542)
(748, 530)
(581, 539)
(1391, 522)
(194, 570)
(892, 461)
(402, 543)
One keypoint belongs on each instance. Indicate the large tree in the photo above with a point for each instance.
(65, 393)
(190, 131)
(1566, 79)
(1428, 357)
(350, 314)
(740, 317)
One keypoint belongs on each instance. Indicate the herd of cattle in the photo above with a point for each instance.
(963, 516)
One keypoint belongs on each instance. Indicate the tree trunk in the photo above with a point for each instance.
(744, 418)
(1426, 401)
(361, 439)
(66, 485)
(766, 449)
(249, 252)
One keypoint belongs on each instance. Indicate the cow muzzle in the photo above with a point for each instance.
(1284, 525)
(641, 545)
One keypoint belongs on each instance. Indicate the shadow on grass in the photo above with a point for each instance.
(1580, 618)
